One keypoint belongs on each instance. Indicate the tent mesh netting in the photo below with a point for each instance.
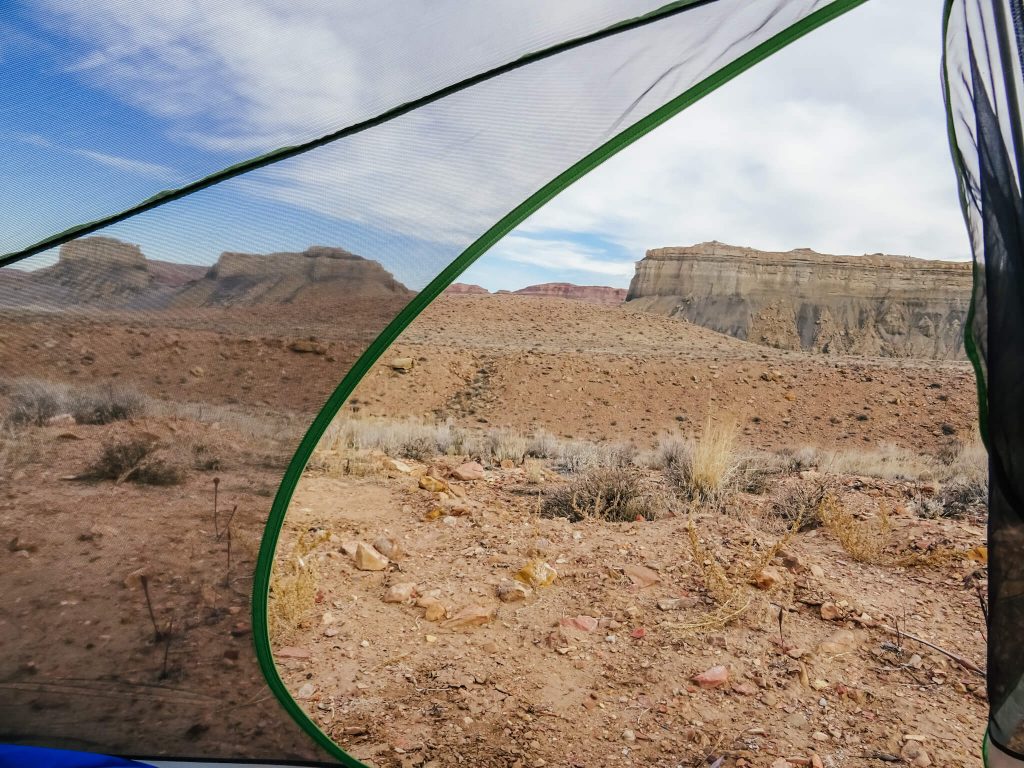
(125, 618)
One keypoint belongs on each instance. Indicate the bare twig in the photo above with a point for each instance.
(216, 486)
(157, 634)
(965, 663)
(167, 649)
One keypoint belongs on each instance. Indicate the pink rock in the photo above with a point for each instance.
(471, 470)
(582, 623)
(715, 677)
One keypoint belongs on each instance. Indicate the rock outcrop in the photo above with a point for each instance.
(315, 276)
(893, 306)
(593, 294)
(96, 271)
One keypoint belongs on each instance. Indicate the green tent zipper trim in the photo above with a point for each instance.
(265, 561)
(970, 345)
(284, 153)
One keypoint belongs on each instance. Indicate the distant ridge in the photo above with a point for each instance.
(592, 294)
(893, 306)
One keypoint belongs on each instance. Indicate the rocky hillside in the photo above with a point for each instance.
(107, 273)
(892, 306)
(592, 294)
(317, 275)
(96, 271)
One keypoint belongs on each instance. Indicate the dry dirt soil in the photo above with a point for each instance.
(589, 670)
(232, 398)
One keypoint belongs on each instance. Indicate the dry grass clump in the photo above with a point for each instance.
(886, 462)
(293, 585)
(405, 439)
(615, 494)
(759, 473)
(863, 540)
(542, 445)
(507, 445)
(132, 460)
(17, 448)
(701, 469)
(33, 402)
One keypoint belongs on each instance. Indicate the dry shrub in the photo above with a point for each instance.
(132, 460)
(615, 494)
(293, 586)
(542, 445)
(759, 473)
(730, 585)
(106, 403)
(33, 401)
(17, 448)
(801, 504)
(863, 540)
(701, 469)
(575, 456)
(507, 445)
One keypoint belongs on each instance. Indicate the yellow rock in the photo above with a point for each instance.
(432, 484)
(536, 573)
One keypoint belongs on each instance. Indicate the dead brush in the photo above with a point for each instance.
(802, 502)
(730, 587)
(866, 540)
(613, 494)
(293, 586)
(133, 459)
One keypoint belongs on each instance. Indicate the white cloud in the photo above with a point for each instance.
(565, 254)
(837, 143)
(138, 167)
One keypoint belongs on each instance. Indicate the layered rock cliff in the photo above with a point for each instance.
(893, 306)
(317, 275)
(593, 294)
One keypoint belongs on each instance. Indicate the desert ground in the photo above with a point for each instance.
(547, 533)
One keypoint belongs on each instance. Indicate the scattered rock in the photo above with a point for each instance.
(641, 575)
(389, 547)
(306, 691)
(471, 470)
(198, 372)
(536, 573)
(17, 544)
(830, 611)
(402, 592)
(715, 677)
(402, 364)
(308, 346)
(628, 736)
(369, 559)
(842, 641)
(817, 571)
(767, 578)
(435, 611)
(582, 623)
(914, 753)
(432, 484)
(472, 616)
(397, 466)
(513, 592)
(61, 420)
(291, 652)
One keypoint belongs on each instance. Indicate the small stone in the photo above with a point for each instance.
(641, 575)
(389, 547)
(745, 688)
(61, 420)
(819, 736)
(628, 736)
(402, 364)
(830, 611)
(431, 638)
(472, 616)
(842, 641)
(432, 484)
(402, 592)
(331, 631)
(306, 691)
(914, 753)
(817, 571)
(582, 623)
(471, 470)
(536, 573)
(767, 578)
(397, 466)
(816, 761)
(676, 603)
(198, 372)
(513, 592)
(369, 559)
(714, 677)
(291, 652)
(435, 611)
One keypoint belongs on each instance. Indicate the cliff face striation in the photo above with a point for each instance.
(893, 306)
(317, 275)
(592, 294)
